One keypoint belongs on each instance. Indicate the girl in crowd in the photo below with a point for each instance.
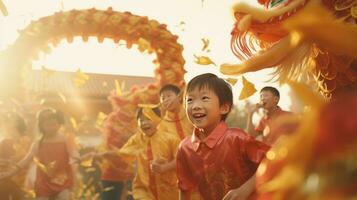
(54, 156)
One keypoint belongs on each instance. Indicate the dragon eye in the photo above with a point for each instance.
(275, 3)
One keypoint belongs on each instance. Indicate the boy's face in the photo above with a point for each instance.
(146, 125)
(169, 100)
(268, 99)
(203, 109)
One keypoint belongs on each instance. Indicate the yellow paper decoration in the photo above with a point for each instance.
(80, 78)
(232, 81)
(248, 89)
(205, 43)
(45, 168)
(100, 119)
(74, 123)
(119, 88)
(3, 8)
(149, 113)
(203, 60)
(63, 98)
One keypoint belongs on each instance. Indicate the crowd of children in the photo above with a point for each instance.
(183, 149)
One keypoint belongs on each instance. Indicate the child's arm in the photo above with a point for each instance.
(97, 155)
(127, 153)
(186, 182)
(250, 127)
(243, 192)
(162, 166)
(254, 153)
(28, 158)
(129, 149)
(159, 167)
(22, 163)
(72, 148)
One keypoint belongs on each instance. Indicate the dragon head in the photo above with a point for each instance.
(295, 37)
(259, 38)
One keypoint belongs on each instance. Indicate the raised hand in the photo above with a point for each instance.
(158, 166)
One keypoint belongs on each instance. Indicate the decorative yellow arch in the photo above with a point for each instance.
(148, 34)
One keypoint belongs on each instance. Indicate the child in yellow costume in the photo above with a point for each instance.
(155, 155)
(175, 120)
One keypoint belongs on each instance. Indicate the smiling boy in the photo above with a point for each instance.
(174, 120)
(269, 126)
(218, 161)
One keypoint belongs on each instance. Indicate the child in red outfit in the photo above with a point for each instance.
(218, 161)
(54, 157)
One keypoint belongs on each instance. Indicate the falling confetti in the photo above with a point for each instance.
(42, 101)
(29, 193)
(3, 8)
(87, 162)
(74, 123)
(119, 88)
(108, 189)
(80, 78)
(100, 119)
(45, 168)
(90, 169)
(59, 179)
(232, 81)
(205, 44)
(248, 89)
(63, 98)
(203, 60)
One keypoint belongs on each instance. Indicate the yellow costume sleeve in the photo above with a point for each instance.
(130, 149)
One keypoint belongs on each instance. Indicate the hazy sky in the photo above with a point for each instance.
(210, 19)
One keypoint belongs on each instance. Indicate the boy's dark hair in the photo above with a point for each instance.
(20, 123)
(218, 85)
(170, 87)
(139, 112)
(273, 90)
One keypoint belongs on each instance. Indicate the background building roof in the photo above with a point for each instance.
(99, 85)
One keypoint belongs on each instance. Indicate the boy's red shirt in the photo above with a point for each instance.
(225, 160)
(271, 129)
